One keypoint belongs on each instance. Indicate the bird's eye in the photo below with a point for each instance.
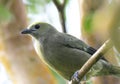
(37, 26)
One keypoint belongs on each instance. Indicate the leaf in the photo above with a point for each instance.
(88, 22)
(59, 79)
(4, 13)
(35, 6)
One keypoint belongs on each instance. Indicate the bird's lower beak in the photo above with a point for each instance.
(26, 31)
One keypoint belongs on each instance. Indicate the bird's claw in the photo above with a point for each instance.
(75, 77)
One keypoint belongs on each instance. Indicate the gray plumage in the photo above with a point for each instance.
(64, 53)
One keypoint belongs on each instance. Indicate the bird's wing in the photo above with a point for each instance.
(73, 42)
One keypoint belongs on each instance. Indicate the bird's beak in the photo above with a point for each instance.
(26, 31)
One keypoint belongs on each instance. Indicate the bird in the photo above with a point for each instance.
(65, 53)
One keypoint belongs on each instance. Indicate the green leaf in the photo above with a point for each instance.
(89, 81)
(88, 22)
(59, 79)
(35, 6)
(4, 13)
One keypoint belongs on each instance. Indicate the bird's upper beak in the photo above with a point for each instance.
(26, 31)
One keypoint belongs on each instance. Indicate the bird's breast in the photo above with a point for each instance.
(38, 48)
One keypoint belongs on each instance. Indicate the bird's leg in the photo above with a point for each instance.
(75, 79)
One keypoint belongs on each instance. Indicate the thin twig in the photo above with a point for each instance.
(61, 9)
(57, 4)
(62, 19)
(64, 3)
(86, 67)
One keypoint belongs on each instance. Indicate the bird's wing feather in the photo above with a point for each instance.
(75, 43)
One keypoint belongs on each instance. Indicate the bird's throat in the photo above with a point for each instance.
(38, 48)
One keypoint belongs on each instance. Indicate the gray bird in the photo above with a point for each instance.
(65, 53)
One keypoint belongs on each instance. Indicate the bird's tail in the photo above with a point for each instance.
(109, 69)
(103, 68)
(114, 70)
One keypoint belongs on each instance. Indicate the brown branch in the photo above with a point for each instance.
(86, 67)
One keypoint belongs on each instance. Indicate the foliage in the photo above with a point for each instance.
(4, 13)
(88, 22)
(59, 79)
(33, 5)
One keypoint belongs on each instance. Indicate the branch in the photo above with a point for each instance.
(64, 3)
(60, 6)
(57, 4)
(86, 67)
(61, 9)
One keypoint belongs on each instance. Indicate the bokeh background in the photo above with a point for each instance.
(93, 21)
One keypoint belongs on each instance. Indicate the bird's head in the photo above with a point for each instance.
(38, 29)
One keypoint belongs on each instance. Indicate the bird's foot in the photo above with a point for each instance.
(75, 78)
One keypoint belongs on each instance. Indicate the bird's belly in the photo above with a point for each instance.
(65, 61)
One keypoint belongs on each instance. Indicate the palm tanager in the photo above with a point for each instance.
(65, 53)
